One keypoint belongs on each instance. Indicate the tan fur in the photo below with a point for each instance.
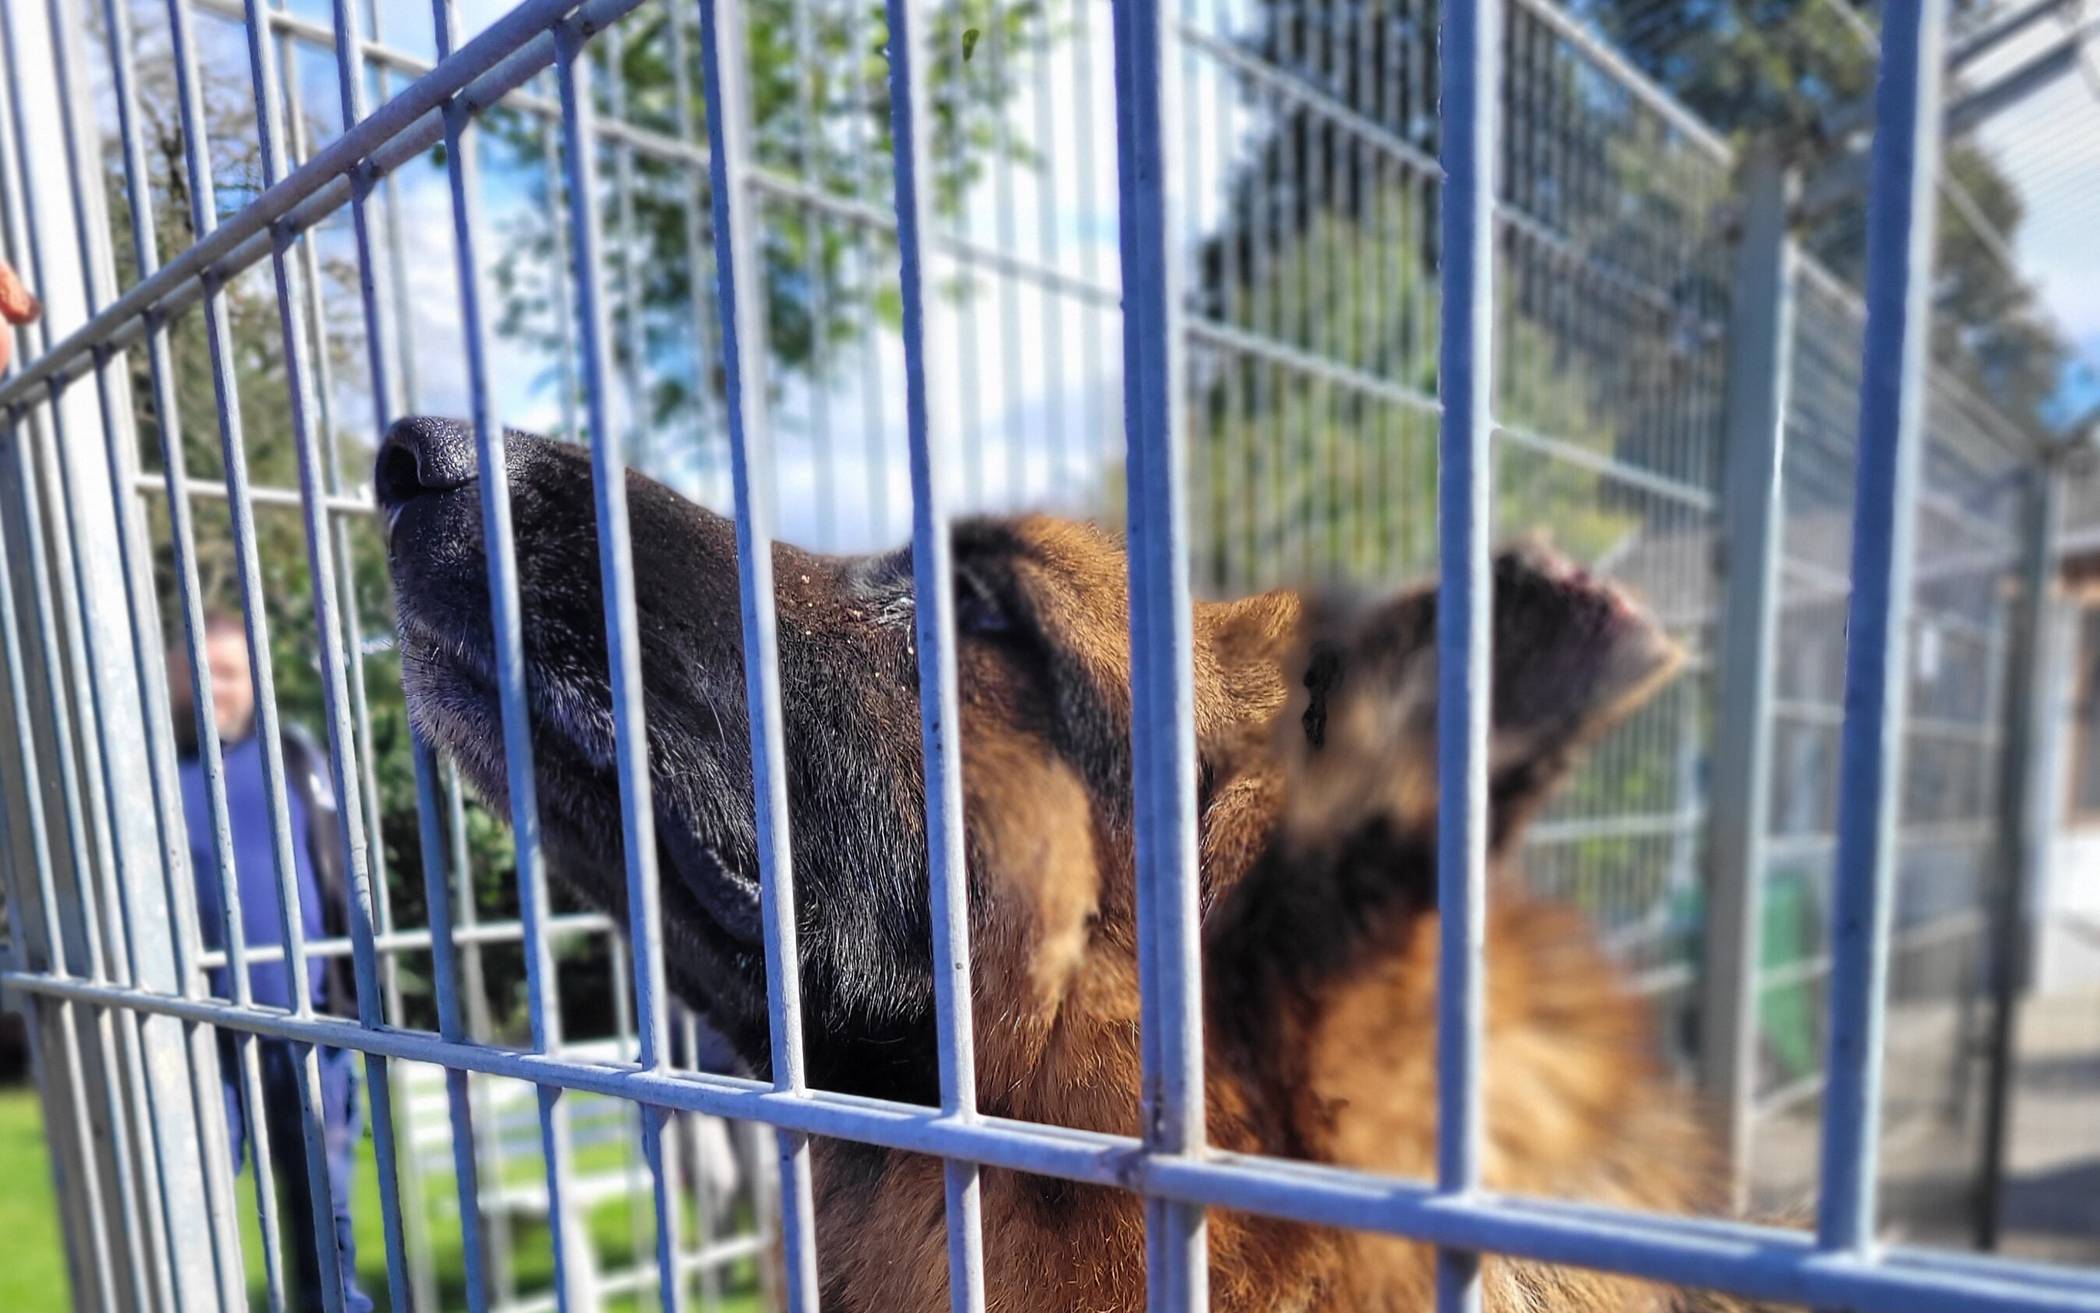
(1576, 1105)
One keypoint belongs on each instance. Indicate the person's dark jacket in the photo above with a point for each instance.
(307, 773)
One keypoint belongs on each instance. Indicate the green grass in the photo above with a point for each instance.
(33, 1279)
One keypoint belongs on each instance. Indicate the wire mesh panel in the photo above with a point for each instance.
(1974, 495)
(1321, 293)
(1313, 322)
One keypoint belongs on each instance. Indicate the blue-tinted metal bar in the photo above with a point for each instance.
(1901, 210)
(609, 484)
(1063, 466)
(204, 215)
(207, 1095)
(95, 851)
(329, 629)
(1760, 1262)
(445, 979)
(816, 291)
(2027, 825)
(204, 219)
(127, 1098)
(73, 1074)
(632, 360)
(471, 1012)
(1469, 74)
(1760, 344)
(693, 191)
(508, 643)
(741, 303)
(623, 641)
(704, 1188)
(1163, 748)
(206, 1079)
(940, 737)
(363, 753)
(203, 1234)
(557, 232)
(498, 60)
(500, 547)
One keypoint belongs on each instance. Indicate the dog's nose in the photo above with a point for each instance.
(422, 455)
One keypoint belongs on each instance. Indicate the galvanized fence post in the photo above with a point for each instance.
(1760, 354)
(740, 303)
(1163, 746)
(1469, 83)
(1900, 227)
(933, 592)
(110, 876)
(2027, 805)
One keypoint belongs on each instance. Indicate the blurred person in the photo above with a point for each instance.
(319, 876)
(17, 307)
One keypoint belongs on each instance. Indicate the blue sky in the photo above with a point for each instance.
(2049, 146)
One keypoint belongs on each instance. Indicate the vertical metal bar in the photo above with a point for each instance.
(633, 360)
(873, 446)
(119, 876)
(508, 642)
(329, 630)
(623, 640)
(445, 980)
(206, 1089)
(203, 217)
(25, 953)
(2026, 806)
(1469, 73)
(363, 753)
(1760, 356)
(693, 191)
(816, 290)
(1163, 749)
(93, 849)
(1058, 451)
(470, 992)
(206, 1095)
(740, 299)
(1331, 319)
(939, 714)
(75, 1079)
(874, 433)
(1899, 277)
(1011, 384)
(350, 82)
(557, 232)
(1085, 135)
(1293, 259)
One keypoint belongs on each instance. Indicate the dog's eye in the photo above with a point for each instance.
(978, 606)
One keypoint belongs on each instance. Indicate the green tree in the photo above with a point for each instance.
(1795, 72)
(820, 104)
(263, 391)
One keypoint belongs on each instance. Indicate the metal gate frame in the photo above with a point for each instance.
(103, 912)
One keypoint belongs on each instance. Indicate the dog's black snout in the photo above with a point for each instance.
(422, 455)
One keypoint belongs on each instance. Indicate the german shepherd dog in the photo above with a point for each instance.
(1315, 722)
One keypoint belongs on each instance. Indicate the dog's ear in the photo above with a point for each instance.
(1571, 656)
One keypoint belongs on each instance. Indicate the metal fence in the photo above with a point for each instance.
(1344, 259)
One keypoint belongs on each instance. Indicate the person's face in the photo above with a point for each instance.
(233, 696)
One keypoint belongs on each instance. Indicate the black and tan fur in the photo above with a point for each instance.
(1315, 728)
